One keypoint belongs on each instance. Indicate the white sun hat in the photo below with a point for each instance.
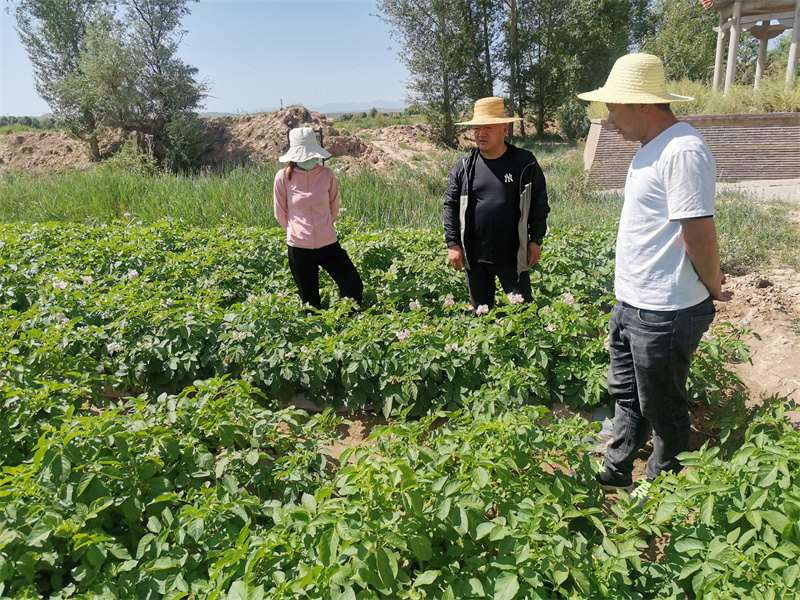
(635, 79)
(303, 146)
(489, 111)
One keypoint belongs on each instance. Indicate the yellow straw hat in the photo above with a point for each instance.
(489, 111)
(635, 79)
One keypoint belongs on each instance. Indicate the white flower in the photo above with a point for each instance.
(546, 310)
(59, 285)
(252, 298)
(239, 335)
(551, 327)
(483, 309)
(99, 368)
(164, 302)
(451, 347)
(148, 342)
(403, 335)
(607, 343)
(515, 298)
(113, 347)
(2, 244)
(61, 317)
(414, 304)
(138, 222)
(449, 303)
(126, 214)
(133, 274)
(87, 280)
(304, 349)
(569, 300)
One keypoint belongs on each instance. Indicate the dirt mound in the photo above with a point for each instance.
(41, 152)
(256, 138)
(263, 137)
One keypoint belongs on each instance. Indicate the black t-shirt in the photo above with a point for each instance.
(493, 233)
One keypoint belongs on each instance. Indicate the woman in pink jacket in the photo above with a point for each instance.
(306, 198)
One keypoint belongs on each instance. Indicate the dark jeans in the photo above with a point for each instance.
(305, 264)
(480, 282)
(651, 352)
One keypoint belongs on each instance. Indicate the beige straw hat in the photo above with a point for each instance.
(489, 111)
(635, 79)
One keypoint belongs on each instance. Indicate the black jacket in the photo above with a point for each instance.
(533, 207)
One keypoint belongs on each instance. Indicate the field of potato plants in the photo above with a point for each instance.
(148, 450)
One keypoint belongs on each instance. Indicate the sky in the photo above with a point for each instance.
(258, 55)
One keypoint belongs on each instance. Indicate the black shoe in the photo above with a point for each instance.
(613, 483)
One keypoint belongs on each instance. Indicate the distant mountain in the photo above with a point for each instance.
(381, 105)
(334, 108)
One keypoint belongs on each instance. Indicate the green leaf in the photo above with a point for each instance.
(387, 567)
(779, 521)
(309, 503)
(707, 510)
(38, 535)
(196, 528)
(687, 544)
(506, 586)
(480, 477)
(790, 575)
(329, 548)
(426, 578)
(421, 547)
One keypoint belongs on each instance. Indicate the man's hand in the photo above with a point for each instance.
(455, 256)
(534, 253)
(716, 289)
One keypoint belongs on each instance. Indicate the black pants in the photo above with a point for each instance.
(480, 282)
(305, 264)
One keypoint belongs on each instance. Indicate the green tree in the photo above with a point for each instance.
(428, 32)
(778, 57)
(53, 33)
(681, 34)
(112, 63)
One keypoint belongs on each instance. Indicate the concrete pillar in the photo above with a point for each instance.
(762, 53)
(794, 48)
(719, 58)
(733, 46)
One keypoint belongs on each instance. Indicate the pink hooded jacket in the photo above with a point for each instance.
(307, 206)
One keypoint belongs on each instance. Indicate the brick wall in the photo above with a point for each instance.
(763, 146)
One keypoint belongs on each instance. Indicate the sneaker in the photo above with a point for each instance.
(641, 494)
(612, 483)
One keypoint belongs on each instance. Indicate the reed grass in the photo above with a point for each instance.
(752, 233)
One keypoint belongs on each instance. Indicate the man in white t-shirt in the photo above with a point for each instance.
(667, 271)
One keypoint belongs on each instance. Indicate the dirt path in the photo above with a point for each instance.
(769, 304)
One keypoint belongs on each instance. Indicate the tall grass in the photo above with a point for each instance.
(752, 233)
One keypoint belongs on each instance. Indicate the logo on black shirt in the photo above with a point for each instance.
(509, 178)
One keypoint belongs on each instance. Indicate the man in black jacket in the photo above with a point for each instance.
(495, 210)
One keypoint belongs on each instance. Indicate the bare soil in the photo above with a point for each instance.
(767, 302)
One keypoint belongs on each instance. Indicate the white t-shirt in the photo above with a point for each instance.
(671, 178)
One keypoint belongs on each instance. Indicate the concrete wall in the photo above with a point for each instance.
(745, 147)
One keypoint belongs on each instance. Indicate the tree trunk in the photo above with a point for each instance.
(487, 54)
(512, 61)
(448, 132)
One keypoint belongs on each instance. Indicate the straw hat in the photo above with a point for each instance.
(489, 111)
(303, 146)
(635, 79)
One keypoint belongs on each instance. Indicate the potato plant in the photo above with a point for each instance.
(147, 450)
